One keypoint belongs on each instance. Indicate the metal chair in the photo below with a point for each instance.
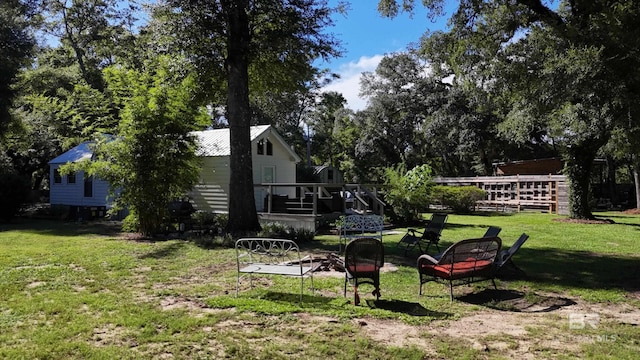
(363, 259)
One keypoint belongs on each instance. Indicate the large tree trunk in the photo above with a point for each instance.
(243, 216)
(578, 165)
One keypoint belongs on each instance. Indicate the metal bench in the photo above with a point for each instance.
(272, 257)
(359, 226)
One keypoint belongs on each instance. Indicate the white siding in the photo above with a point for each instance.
(285, 171)
(212, 191)
(64, 193)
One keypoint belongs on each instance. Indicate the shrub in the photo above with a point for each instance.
(461, 199)
(408, 192)
(131, 223)
(282, 231)
(304, 235)
(276, 230)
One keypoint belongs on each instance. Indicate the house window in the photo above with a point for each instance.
(88, 186)
(71, 178)
(265, 147)
(261, 147)
(57, 178)
(269, 148)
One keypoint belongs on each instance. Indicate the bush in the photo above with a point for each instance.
(282, 231)
(131, 223)
(461, 199)
(14, 192)
(304, 235)
(408, 193)
(277, 230)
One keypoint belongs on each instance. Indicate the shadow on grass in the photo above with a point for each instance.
(579, 269)
(64, 228)
(164, 251)
(516, 301)
(405, 307)
(398, 306)
(555, 267)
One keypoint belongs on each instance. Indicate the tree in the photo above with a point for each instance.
(96, 31)
(16, 46)
(243, 47)
(152, 159)
(322, 123)
(408, 192)
(415, 116)
(583, 50)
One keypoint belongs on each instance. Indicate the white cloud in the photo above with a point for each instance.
(349, 83)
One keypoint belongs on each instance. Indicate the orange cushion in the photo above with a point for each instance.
(461, 269)
(362, 268)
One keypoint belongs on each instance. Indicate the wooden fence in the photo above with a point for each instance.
(541, 192)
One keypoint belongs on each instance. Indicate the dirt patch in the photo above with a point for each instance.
(512, 334)
(396, 333)
(635, 211)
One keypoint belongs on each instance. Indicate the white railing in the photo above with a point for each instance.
(359, 197)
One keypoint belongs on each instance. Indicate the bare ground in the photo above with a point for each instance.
(519, 333)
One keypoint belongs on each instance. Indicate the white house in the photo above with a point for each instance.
(273, 161)
(76, 189)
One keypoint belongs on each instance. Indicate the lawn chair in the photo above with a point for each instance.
(363, 259)
(430, 235)
(506, 255)
(492, 231)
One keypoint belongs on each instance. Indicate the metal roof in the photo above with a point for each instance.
(217, 142)
(211, 143)
(80, 152)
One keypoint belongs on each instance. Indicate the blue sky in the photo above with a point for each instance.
(366, 37)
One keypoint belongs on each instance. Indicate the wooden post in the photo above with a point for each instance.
(518, 190)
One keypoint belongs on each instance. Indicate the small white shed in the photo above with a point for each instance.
(273, 161)
(328, 174)
(76, 189)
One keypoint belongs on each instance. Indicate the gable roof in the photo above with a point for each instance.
(217, 142)
(77, 153)
(212, 143)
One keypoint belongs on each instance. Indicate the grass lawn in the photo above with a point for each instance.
(83, 291)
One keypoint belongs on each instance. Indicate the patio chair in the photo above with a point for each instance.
(430, 235)
(492, 231)
(363, 259)
(464, 262)
(506, 255)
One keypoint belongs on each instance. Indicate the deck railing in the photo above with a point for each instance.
(548, 192)
(362, 198)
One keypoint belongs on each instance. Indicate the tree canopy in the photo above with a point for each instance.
(562, 75)
(248, 48)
